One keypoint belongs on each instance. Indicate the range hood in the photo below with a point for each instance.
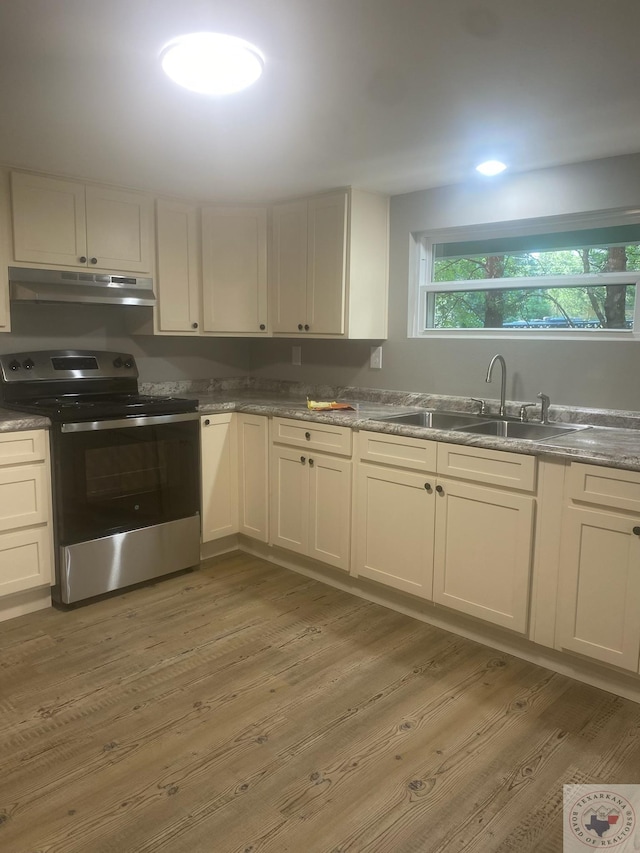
(35, 285)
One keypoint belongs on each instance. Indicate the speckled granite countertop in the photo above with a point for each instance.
(613, 439)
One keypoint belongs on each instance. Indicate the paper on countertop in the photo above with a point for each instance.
(320, 406)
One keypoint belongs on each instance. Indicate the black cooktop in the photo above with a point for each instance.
(85, 407)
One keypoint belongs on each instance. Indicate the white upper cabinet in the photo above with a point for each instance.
(65, 223)
(234, 270)
(329, 266)
(289, 267)
(178, 268)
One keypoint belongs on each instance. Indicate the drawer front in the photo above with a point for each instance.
(494, 467)
(327, 437)
(19, 447)
(604, 486)
(416, 454)
(25, 560)
(23, 496)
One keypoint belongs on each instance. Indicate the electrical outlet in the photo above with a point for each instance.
(375, 360)
(296, 355)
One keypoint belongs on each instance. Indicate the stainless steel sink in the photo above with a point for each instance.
(482, 425)
(520, 429)
(435, 420)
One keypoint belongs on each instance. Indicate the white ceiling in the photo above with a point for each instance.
(389, 95)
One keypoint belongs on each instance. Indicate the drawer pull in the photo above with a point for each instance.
(207, 422)
(307, 435)
(311, 463)
(636, 531)
(303, 459)
(440, 490)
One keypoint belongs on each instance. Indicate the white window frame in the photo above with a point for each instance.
(421, 266)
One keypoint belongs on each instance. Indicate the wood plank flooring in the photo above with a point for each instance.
(245, 709)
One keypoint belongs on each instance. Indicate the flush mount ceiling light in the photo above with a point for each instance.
(212, 63)
(491, 167)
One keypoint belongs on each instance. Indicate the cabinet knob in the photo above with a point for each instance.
(93, 260)
(306, 327)
(303, 459)
(636, 531)
(194, 325)
(307, 435)
(300, 327)
(427, 486)
(311, 463)
(82, 259)
(440, 490)
(262, 327)
(207, 422)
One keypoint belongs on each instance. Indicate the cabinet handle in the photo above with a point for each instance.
(303, 459)
(207, 422)
(440, 490)
(427, 486)
(300, 327)
(262, 327)
(306, 327)
(307, 435)
(311, 463)
(636, 531)
(194, 325)
(82, 259)
(93, 260)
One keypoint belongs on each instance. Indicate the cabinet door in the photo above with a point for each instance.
(326, 264)
(482, 555)
(289, 267)
(118, 230)
(394, 528)
(49, 225)
(599, 588)
(234, 270)
(219, 476)
(25, 559)
(24, 498)
(253, 452)
(289, 472)
(330, 510)
(178, 273)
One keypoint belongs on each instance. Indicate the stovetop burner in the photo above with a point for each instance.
(103, 406)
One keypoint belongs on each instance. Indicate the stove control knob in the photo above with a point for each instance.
(129, 363)
(14, 364)
(117, 362)
(28, 364)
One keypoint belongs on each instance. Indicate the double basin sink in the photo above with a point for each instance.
(482, 425)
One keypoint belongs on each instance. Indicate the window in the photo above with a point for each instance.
(556, 277)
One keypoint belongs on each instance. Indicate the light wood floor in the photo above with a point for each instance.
(246, 709)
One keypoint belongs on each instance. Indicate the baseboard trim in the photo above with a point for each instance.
(21, 603)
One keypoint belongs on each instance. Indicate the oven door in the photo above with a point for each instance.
(115, 476)
(126, 506)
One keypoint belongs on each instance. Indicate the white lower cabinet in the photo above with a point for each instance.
(253, 495)
(311, 493)
(482, 557)
(394, 528)
(219, 449)
(462, 544)
(599, 585)
(26, 552)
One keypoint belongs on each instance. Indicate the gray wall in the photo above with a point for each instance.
(590, 373)
(39, 326)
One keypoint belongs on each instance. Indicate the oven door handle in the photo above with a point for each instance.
(125, 423)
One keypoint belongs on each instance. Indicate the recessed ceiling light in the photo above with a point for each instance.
(491, 167)
(212, 63)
